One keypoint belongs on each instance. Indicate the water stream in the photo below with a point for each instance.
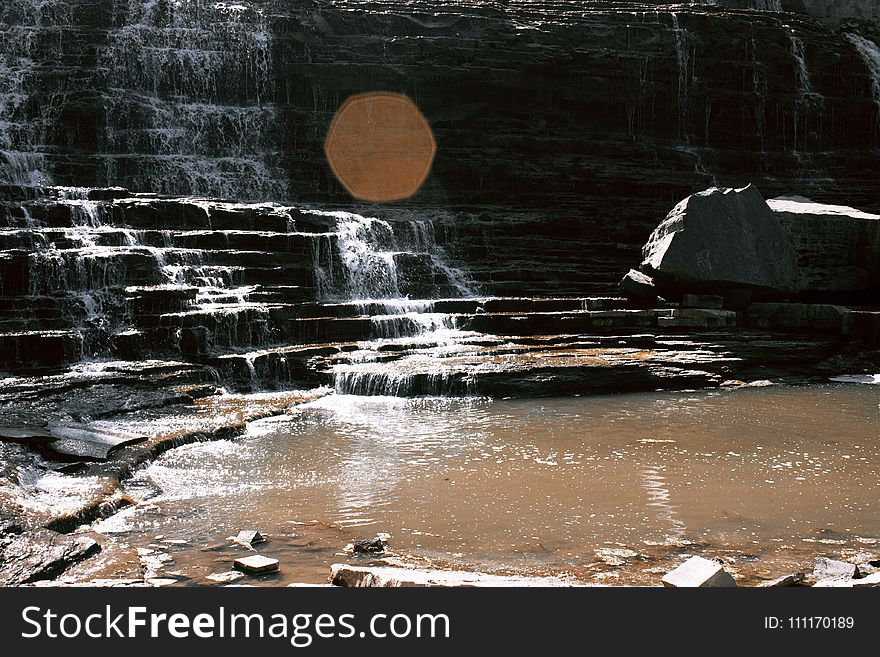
(603, 489)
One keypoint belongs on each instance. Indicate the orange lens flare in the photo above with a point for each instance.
(380, 146)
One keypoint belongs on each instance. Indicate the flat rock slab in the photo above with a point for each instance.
(871, 581)
(830, 569)
(41, 554)
(26, 434)
(248, 537)
(787, 580)
(256, 564)
(698, 572)
(82, 442)
(388, 577)
(836, 246)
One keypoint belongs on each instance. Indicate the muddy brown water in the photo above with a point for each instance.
(608, 489)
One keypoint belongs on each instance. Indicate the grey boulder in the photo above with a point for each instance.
(721, 239)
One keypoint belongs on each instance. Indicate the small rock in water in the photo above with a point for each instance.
(256, 564)
(698, 572)
(788, 580)
(248, 537)
(371, 546)
(829, 569)
(229, 576)
(161, 581)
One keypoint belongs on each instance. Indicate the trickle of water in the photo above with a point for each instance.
(796, 48)
(870, 53)
(808, 102)
(682, 56)
(17, 168)
(252, 371)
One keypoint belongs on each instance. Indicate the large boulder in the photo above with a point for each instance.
(837, 247)
(718, 240)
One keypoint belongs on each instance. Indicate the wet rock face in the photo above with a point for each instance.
(40, 554)
(654, 101)
(838, 247)
(833, 13)
(720, 239)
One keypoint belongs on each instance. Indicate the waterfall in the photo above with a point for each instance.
(24, 122)
(804, 86)
(374, 266)
(373, 258)
(870, 53)
(190, 102)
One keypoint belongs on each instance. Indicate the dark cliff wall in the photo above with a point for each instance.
(613, 109)
(544, 107)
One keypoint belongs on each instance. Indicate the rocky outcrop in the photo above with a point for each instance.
(40, 554)
(721, 239)
(838, 247)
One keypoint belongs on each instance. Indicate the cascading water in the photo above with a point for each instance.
(369, 253)
(371, 268)
(26, 42)
(870, 53)
(190, 100)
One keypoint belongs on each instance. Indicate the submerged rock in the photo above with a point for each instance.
(721, 239)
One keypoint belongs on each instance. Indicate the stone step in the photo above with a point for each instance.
(21, 351)
(273, 369)
(529, 373)
(151, 213)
